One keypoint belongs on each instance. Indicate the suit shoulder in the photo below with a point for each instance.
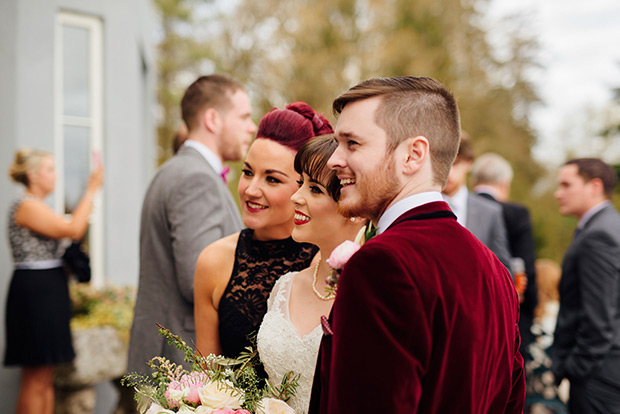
(219, 252)
(483, 204)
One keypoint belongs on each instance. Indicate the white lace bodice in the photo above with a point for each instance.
(281, 349)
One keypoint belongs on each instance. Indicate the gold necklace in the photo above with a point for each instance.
(329, 296)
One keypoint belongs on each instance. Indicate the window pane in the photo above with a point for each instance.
(75, 71)
(77, 150)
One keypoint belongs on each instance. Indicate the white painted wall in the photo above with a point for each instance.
(26, 119)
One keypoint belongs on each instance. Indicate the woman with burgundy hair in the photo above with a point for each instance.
(235, 275)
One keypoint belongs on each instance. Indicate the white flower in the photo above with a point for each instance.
(359, 238)
(274, 406)
(178, 395)
(158, 409)
(220, 394)
(201, 409)
(186, 410)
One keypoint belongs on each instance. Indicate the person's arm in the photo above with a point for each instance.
(196, 214)
(382, 341)
(599, 267)
(38, 217)
(498, 242)
(213, 271)
(523, 246)
(517, 393)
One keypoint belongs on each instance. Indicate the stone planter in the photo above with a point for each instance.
(101, 355)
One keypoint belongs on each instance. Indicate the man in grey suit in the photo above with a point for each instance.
(586, 347)
(187, 206)
(480, 216)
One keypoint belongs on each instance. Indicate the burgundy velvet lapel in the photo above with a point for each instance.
(434, 210)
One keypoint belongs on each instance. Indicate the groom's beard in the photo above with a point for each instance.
(375, 191)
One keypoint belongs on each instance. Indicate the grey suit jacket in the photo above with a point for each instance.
(485, 221)
(187, 206)
(587, 336)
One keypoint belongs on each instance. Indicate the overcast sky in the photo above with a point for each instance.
(580, 54)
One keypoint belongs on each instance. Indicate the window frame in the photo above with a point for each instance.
(94, 122)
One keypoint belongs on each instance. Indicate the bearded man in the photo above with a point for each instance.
(425, 319)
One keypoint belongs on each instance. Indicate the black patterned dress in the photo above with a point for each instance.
(258, 264)
(38, 308)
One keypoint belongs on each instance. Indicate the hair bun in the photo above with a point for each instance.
(320, 124)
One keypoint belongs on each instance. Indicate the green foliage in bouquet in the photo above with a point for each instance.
(237, 376)
(110, 306)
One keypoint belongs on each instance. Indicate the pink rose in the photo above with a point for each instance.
(242, 412)
(342, 253)
(224, 411)
(193, 396)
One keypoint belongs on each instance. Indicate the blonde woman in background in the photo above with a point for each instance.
(38, 309)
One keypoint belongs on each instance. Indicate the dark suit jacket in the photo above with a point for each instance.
(587, 335)
(521, 244)
(186, 207)
(424, 322)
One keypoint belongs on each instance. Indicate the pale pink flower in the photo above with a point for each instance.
(342, 253)
(224, 411)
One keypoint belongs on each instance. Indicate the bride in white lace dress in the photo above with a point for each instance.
(290, 334)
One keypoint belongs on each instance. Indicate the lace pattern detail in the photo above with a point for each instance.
(258, 264)
(281, 349)
(28, 246)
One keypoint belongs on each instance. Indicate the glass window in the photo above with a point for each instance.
(79, 121)
(76, 73)
(76, 165)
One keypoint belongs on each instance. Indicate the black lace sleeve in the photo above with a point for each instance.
(257, 266)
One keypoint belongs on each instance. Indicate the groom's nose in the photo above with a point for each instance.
(337, 161)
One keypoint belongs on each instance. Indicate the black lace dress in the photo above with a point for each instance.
(258, 264)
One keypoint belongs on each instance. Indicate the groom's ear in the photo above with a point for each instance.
(416, 155)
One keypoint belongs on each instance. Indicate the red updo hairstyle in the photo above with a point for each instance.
(293, 126)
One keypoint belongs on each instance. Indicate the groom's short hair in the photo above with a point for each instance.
(413, 106)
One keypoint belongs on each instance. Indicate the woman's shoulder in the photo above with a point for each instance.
(220, 251)
(27, 207)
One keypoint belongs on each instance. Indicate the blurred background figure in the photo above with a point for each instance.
(38, 308)
(478, 215)
(187, 206)
(586, 348)
(491, 177)
(542, 395)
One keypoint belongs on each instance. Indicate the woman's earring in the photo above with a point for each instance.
(352, 219)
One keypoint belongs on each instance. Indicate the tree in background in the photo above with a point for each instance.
(314, 50)
(180, 56)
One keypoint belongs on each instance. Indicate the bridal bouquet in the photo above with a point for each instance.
(213, 385)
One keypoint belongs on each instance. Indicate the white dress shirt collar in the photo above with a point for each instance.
(458, 204)
(212, 159)
(401, 207)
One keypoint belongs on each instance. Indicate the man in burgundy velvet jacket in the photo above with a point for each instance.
(425, 320)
